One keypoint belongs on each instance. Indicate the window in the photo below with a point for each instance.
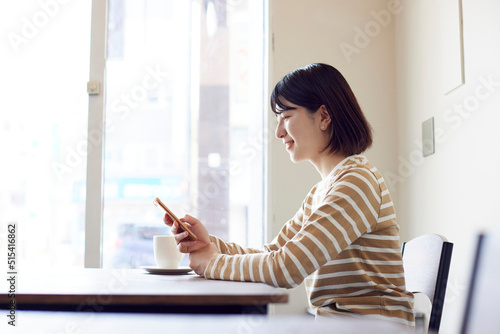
(182, 113)
(43, 129)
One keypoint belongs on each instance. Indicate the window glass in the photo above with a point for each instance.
(184, 85)
(43, 128)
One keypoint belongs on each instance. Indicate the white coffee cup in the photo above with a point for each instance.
(167, 256)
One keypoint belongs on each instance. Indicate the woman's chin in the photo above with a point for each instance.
(295, 159)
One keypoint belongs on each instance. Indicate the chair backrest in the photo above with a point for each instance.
(426, 261)
(481, 310)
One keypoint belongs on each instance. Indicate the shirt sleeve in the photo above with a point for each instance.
(231, 248)
(348, 210)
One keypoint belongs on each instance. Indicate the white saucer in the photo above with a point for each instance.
(167, 271)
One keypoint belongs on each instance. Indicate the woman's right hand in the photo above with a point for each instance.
(185, 244)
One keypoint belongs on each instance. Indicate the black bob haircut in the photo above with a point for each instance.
(320, 84)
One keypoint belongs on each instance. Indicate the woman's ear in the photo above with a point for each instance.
(325, 117)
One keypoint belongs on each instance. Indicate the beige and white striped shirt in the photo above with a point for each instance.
(343, 242)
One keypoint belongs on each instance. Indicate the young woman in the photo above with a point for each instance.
(343, 241)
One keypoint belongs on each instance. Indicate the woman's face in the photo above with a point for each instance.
(301, 133)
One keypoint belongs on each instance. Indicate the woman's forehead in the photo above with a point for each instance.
(283, 104)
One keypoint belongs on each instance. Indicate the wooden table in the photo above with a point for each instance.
(135, 290)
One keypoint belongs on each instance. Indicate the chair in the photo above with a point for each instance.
(481, 309)
(426, 261)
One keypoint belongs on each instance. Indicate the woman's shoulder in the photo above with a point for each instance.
(354, 165)
(355, 172)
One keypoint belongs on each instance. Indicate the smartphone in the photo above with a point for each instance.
(159, 203)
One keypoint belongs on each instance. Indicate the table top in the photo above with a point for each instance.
(79, 322)
(135, 287)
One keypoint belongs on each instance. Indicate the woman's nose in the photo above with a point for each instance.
(280, 129)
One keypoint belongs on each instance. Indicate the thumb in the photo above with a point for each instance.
(190, 220)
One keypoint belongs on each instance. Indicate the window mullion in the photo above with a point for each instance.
(95, 141)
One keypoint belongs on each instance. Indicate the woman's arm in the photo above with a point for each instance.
(231, 248)
(348, 211)
(199, 259)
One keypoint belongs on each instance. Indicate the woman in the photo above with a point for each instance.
(343, 241)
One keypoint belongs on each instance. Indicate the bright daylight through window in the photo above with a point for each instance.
(183, 121)
(184, 113)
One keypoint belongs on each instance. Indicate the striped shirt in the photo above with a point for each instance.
(343, 243)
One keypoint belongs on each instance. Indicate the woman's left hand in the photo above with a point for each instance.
(199, 259)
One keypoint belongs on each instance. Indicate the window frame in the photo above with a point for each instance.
(95, 157)
(93, 253)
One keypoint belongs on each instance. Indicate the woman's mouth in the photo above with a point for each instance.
(289, 144)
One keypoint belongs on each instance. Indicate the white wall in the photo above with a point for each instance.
(453, 192)
(312, 31)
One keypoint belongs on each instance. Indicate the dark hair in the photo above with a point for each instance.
(320, 84)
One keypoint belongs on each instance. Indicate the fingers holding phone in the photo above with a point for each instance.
(176, 230)
(179, 233)
(168, 220)
(173, 218)
(190, 234)
(184, 243)
(197, 228)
